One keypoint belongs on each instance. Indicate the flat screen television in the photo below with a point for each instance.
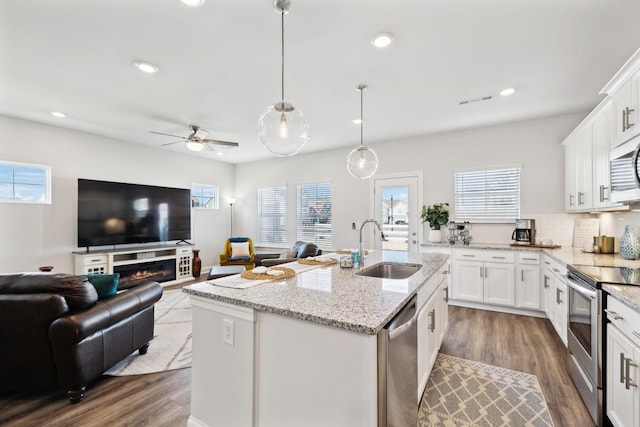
(112, 213)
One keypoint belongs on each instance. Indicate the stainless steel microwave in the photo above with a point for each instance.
(624, 168)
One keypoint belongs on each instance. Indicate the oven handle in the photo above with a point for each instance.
(581, 289)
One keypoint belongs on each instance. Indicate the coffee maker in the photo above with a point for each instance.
(525, 232)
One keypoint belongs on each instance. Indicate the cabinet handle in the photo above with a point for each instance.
(580, 196)
(629, 124)
(602, 198)
(432, 314)
(499, 257)
(530, 259)
(446, 295)
(469, 255)
(615, 315)
(558, 300)
(622, 359)
(481, 271)
(546, 282)
(522, 275)
(627, 367)
(624, 120)
(486, 272)
(571, 196)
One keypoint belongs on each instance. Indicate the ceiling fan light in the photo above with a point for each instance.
(195, 146)
(192, 3)
(146, 67)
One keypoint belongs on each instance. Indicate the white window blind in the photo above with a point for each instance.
(489, 195)
(314, 214)
(272, 215)
(25, 183)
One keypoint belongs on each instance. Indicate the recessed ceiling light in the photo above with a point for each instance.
(508, 91)
(146, 67)
(382, 40)
(220, 153)
(192, 3)
(356, 121)
(58, 114)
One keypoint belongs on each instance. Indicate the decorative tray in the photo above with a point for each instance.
(288, 273)
(311, 261)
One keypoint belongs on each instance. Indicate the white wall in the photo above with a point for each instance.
(36, 235)
(534, 144)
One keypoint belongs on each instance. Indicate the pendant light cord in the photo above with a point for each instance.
(282, 45)
(361, 116)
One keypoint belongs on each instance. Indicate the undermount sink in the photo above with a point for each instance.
(390, 270)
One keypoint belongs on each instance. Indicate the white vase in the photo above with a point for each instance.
(435, 236)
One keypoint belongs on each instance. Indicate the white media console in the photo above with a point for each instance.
(165, 262)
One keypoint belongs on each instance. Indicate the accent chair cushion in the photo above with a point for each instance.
(106, 284)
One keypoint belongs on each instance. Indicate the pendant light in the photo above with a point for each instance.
(362, 161)
(282, 128)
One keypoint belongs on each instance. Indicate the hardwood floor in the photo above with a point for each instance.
(515, 342)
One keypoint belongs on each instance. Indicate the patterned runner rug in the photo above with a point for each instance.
(171, 344)
(461, 392)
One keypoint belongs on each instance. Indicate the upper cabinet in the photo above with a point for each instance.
(612, 122)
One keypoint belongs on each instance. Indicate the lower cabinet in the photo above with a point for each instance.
(484, 276)
(432, 322)
(555, 296)
(528, 281)
(623, 359)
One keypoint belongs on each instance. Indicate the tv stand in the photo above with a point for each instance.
(109, 261)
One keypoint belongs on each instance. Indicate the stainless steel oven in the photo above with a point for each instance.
(585, 341)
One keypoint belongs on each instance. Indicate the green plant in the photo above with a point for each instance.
(436, 215)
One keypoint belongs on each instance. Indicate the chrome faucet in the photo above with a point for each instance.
(360, 251)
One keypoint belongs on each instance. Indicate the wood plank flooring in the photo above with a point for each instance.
(515, 342)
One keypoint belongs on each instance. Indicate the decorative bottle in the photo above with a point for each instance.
(197, 264)
(629, 243)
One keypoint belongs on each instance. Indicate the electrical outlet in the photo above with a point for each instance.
(228, 332)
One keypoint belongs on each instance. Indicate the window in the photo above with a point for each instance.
(314, 214)
(25, 183)
(272, 215)
(204, 196)
(488, 195)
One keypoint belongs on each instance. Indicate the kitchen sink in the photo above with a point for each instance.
(390, 270)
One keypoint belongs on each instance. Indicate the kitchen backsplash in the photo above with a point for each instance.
(557, 227)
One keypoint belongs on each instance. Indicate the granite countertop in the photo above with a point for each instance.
(629, 295)
(332, 295)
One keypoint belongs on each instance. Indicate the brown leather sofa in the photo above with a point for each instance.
(55, 333)
(300, 249)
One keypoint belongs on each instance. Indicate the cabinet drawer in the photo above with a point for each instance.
(556, 267)
(183, 251)
(528, 258)
(94, 259)
(486, 256)
(624, 318)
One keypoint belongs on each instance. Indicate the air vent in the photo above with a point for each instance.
(469, 101)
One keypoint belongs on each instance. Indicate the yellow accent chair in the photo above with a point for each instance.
(238, 251)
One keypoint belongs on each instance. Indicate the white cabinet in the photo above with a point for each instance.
(560, 311)
(625, 105)
(483, 276)
(601, 130)
(623, 358)
(555, 296)
(528, 280)
(579, 169)
(432, 322)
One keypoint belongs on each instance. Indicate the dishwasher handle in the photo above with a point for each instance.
(404, 320)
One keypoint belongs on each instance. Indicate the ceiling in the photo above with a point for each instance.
(220, 65)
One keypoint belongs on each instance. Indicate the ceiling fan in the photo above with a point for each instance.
(197, 140)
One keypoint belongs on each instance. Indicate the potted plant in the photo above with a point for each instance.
(436, 215)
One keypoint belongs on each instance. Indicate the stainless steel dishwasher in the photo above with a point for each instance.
(398, 369)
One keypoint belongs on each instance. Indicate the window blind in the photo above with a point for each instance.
(314, 214)
(272, 215)
(489, 195)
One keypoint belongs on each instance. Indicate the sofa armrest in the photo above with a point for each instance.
(258, 258)
(74, 327)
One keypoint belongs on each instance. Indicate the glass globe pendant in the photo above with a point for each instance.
(282, 128)
(362, 161)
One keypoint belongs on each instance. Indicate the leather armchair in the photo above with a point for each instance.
(55, 333)
(300, 248)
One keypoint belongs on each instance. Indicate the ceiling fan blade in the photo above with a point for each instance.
(216, 142)
(209, 148)
(171, 143)
(167, 134)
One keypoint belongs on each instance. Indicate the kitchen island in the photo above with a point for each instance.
(300, 351)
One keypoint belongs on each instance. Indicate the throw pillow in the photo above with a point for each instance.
(239, 249)
(106, 284)
(287, 254)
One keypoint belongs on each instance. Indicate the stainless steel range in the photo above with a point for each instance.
(586, 328)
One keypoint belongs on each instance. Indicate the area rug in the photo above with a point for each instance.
(461, 392)
(170, 347)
